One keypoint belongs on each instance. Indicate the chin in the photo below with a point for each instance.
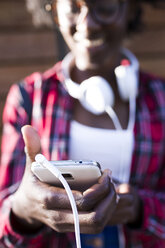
(88, 65)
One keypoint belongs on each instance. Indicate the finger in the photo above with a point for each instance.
(54, 197)
(90, 221)
(99, 217)
(95, 194)
(32, 141)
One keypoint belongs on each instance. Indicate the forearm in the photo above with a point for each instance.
(18, 218)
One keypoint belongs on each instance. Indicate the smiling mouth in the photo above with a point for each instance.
(88, 43)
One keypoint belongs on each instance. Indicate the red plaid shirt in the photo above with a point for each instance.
(51, 115)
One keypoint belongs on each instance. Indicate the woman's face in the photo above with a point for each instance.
(93, 30)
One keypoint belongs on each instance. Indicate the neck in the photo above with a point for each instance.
(78, 75)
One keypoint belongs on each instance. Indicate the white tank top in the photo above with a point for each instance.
(111, 148)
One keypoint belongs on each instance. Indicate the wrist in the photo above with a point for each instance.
(19, 225)
(20, 221)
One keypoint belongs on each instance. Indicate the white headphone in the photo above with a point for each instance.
(95, 93)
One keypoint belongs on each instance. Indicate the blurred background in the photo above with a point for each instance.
(25, 48)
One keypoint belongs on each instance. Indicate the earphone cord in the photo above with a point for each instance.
(109, 110)
(74, 209)
(132, 109)
(45, 163)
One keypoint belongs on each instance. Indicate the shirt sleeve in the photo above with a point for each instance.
(149, 160)
(154, 209)
(11, 170)
(152, 230)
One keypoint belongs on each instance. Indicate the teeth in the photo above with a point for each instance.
(92, 43)
(88, 43)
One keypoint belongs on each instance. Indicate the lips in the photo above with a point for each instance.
(94, 42)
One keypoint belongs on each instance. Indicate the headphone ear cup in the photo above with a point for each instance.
(96, 94)
(127, 81)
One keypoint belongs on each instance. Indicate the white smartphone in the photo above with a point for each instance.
(79, 174)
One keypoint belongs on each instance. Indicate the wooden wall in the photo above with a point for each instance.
(149, 45)
(25, 49)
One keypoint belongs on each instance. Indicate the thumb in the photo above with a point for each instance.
(32, 141)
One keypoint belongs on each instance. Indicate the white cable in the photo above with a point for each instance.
(45, 163)
(132, 111)
(109, 110)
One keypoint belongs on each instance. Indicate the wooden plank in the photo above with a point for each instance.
(14, 13)
(27, 45)
(154, 66)
(42, 45)
(148, 43)
(153, 17)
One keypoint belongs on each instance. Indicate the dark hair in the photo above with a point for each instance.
(41, 17)
(135, 23)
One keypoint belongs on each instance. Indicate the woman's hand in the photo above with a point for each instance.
(36, 203)
(128, 207)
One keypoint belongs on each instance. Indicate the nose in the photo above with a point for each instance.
(85, 20)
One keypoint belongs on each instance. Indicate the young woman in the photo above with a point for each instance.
(95, 104)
